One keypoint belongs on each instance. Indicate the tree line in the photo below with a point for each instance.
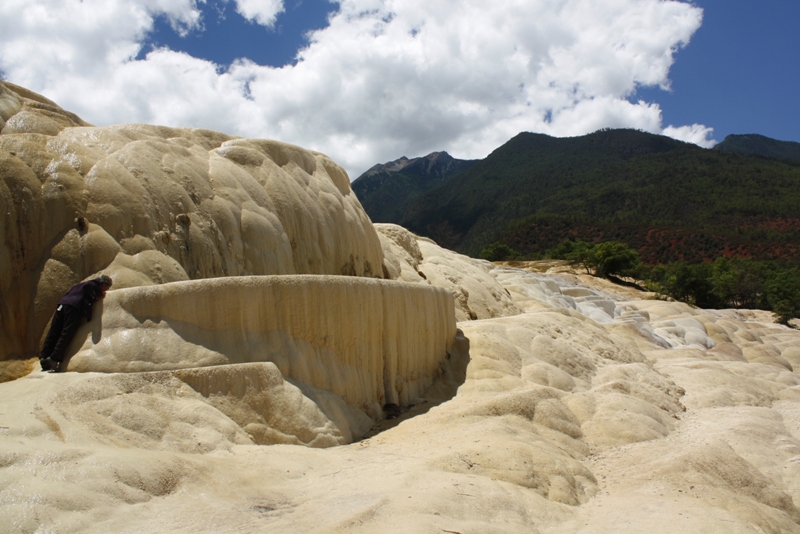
(735, 282)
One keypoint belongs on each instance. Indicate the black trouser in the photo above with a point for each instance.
(65, 323)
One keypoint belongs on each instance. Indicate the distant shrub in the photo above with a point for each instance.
(614, 258)
(726, 283)
(783, 294)
(499, 252)
(576, 252)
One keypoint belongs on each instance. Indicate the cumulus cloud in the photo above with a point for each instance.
(386, 78)
(695, 133)
(44, 42)
(264, 12)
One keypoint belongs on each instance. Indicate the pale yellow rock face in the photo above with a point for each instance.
(372, 342)
(149, 204)
(413, 259)
(584, 413)
(558, 403)
(23, 111)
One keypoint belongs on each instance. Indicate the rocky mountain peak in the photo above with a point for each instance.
(435, 164)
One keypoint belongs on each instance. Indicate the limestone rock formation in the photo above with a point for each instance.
(222, 251)
(586, 412)
(234, 381)
(371, 342)
(149, 204)
(23, 111)
(414, 259)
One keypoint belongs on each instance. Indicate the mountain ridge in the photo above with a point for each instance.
(669, 199)
(759, 145)
(386, 189)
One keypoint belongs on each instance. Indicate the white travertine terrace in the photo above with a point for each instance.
(249, 402)
(372, 342)
(150, 204)
(417, 259)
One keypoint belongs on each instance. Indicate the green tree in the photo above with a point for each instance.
(783, 294)
(614, 258)
(738, 282)
(688, 282)
(499, 252)
(575, 252)
(731, 282)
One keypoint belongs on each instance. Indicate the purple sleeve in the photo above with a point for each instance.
(82, 297)
(74, 296)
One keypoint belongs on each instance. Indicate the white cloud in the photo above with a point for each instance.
(696, 133)
(46, 42)
(386, 78)
(264, 12)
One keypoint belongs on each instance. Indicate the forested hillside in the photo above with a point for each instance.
(386, 190)
(667, 199)
(760, 146)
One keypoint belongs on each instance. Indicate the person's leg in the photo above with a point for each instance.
(70, 322)
(52, 335)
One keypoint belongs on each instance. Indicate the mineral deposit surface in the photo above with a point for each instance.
(270, 361)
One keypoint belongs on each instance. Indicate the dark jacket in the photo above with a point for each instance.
(82, 296)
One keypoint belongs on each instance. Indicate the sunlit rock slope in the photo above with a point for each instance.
(149, 204)
(372, 342)
(557, 403)
(592, 410)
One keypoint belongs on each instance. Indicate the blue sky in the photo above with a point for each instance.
(368, 81)
(227, 35)
(741, 72)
